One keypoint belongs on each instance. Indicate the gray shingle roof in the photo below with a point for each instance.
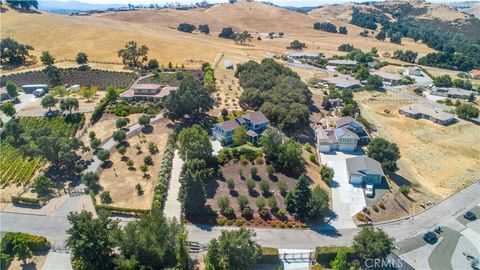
(340, 132)
(256, 117)
(363, 165)
(426, 110)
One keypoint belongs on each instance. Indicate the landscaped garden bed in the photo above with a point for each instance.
(100, 78)
(173, 78)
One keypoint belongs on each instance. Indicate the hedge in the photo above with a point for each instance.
(161, 187)
(269, 255)
(324, 255)
(122, 210)
(99, 109)
(117, 209)
(34, 242)
(25, 200)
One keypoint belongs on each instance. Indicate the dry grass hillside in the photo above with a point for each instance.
(100, 36)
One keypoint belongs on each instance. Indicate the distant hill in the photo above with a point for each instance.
(72, 6)
(470, 7)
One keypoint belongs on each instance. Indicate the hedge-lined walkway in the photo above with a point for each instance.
(172, 206)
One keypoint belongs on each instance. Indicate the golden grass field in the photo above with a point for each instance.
(100, 36)
(442, 159)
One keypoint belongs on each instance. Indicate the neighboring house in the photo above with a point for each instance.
(417, 111)
(341, 139)
(228, 64)
(256, 123)
(475, 74)
(389, 78)
(303, 56)
(147, 92)
(414, 71)
(29, 88)
(364, 170)
(451, 92)
(356, 127)
(342, 83)
(339, 62)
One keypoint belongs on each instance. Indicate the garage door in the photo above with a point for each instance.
(346, 148)
(356, 179)
(324, 148)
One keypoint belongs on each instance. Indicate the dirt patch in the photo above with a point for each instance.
(121, 181)
(440, 159)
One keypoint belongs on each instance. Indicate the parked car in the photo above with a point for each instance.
(470, 215)
(39, 92)
(369, 190)
(430, 237)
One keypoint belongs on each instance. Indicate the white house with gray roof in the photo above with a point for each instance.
(341, 139)
(342, 83)
(342, 62)
(389, 78)
(417, 111)
(364, 170)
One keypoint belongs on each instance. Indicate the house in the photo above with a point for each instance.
(417, 111)
(389, 78)
(364, 170)
(354, 126)
(147, 92)
(414, 71)
(340, 62)
(29, 88)
(475, 74)
(228, 64)
(342, 83)
(341, 139)
(451, 92)
(303, 56)
(256, 123)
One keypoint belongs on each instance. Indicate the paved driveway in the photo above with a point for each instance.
(25, 100)
(347, 199)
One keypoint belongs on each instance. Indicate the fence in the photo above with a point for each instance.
(387, 101)
(306, 256)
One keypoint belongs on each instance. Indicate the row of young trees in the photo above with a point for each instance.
(189, 28)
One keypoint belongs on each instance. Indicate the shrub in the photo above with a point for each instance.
(105, 197)
(152, 148)
(270, 169)
(230, 184)
(381, 205)
(250, 184)
(253, 171)
(220, 173)
(240, 172)
(239, 223)
(229, 222)
(324, 255)
(148, 160)
(282, 214)
(265, 213)
(223, 202)
(90, 179)
(259, 160)
(282, 186)
(247, 212)
(313, 158)
(282, 225)
(229, 212)
(327, 174)
(264, 186)
(404, 189)
(242, 202)
(34, 242)
(361, 217)
(221, 221)
(308, 147)
(260, 202)
(121, 150)
(272, 203)
(139, 189)
(375, 208)
(25, 200)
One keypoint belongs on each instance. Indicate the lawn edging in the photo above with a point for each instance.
(163, 180)
(117, 209)
(27, 201)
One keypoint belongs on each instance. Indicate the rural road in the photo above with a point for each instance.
(444, 213)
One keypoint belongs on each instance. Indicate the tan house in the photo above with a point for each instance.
(147, 92)
(341, 139)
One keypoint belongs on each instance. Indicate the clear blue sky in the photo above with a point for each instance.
(278, 2)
